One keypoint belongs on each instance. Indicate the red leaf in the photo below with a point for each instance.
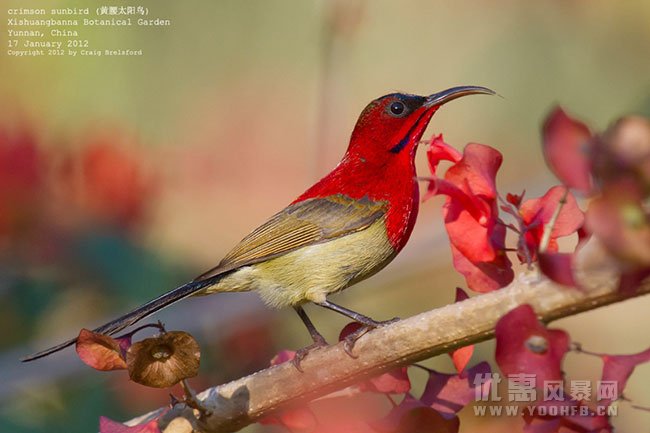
(394, 382)
(107, 425)
(298, 419)
(349, 329)
(484, 277)
(440, 151)
(470, 234)
(349, 413)
(461, 357)
(470, 210)
(618, 219)
(524, 345)
(629, 282)
(349, 426)
(471, 214)
(449, 393)
(99, 351)
(389, 423)
(283, 356)
(427, 420)
(476, 172)
(618, 368)
(515, 199)
(567, 145)
(558, 267)
(537, 213)
(541, 425)
(461, 295)
(623, 151)
(411, 416)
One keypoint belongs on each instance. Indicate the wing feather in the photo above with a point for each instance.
(305, 223)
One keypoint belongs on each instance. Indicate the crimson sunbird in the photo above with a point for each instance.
(343, 229)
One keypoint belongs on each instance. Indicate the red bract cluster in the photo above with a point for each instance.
(536, 214)
(476, 231)
(539, 223)
(471, 212)
(614, 169)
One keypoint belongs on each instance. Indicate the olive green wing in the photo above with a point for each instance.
(301, 224)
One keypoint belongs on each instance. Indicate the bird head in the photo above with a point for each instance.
(393, 124)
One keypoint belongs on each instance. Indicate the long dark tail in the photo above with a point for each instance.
(134, 316)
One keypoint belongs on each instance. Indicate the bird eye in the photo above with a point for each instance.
(397, 108)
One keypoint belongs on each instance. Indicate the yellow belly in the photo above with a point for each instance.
(311, 273)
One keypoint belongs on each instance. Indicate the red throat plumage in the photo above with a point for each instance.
(370, 170)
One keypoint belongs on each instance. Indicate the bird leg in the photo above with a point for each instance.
(366, 321)
(357, 317)
(319, 340)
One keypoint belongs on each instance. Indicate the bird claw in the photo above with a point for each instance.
(319, 342)
(350, 340)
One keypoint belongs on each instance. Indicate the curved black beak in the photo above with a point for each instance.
(454, 93)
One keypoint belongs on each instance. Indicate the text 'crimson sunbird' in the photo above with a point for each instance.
(343, 229)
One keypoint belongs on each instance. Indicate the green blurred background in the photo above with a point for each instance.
(122, 177)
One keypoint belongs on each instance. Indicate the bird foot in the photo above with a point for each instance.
(350, 340)
(319, 342)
